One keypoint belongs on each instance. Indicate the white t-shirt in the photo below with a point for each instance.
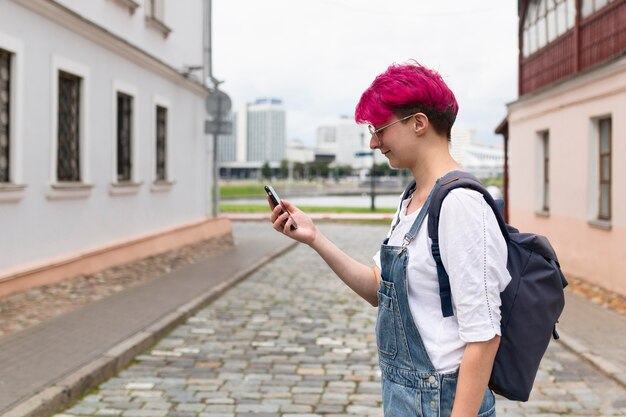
(474, 253)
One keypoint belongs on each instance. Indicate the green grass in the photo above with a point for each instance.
(236, 208)
(251, 190)
(244, 190)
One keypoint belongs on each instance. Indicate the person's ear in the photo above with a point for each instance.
(420, 123)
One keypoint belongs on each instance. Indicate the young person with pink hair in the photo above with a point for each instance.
(432, 366)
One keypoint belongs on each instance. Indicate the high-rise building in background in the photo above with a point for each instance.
(227, 144)
(267, 130)
(259, 136)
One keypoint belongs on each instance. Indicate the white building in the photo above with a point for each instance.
(299, 152)
(259, 136)
(484, 161)
(344, 139)
(102, 147)
(266, 131)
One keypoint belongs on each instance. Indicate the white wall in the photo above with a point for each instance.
(182, 47)
(38, 227)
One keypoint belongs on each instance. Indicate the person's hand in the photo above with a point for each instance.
(305, 232)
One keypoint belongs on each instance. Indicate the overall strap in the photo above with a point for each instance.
(407, 192)
(452, 180)
(412, 233)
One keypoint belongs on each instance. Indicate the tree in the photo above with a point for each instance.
(298, 170)
(284, 168)
(266, 171)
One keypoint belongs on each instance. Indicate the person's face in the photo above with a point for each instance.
(395, 139)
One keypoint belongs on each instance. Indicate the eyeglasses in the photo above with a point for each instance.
(376, 132)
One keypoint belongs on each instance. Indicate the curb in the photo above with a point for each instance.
(314, 216)
(73, 386)
(608, 368)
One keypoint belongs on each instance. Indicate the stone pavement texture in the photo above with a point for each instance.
(292, 340)
(54, 361)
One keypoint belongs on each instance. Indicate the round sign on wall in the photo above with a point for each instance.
(218, 103)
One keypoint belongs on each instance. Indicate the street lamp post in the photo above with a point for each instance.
(372, 172)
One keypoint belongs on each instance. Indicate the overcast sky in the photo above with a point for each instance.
(318, 56)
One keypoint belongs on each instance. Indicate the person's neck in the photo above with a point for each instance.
(432, 166)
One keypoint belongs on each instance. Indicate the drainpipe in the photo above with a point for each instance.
(208, 81)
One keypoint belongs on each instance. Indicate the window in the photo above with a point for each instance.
(546, 172)
(161, 144)
(604, 174)
(124, 137)
(5, 116)
(68, 130)
(543, 173)
(589, 7)
(155, 9)
(155, 16)
(545, 21)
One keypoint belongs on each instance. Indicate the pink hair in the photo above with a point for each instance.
(404, 86)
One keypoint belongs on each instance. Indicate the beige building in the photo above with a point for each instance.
(566, 147)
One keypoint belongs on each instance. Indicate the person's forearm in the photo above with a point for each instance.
(474, 374)
(359, 277)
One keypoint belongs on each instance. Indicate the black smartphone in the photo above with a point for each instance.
(276, 202)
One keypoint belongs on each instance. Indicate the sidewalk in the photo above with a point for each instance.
(596, 334)
(56, 362)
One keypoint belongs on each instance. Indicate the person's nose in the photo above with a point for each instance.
(374, 142)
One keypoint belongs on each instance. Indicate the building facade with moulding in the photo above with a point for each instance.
(564, 135)
(103, 156)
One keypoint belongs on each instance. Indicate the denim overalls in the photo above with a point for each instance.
(411, 385)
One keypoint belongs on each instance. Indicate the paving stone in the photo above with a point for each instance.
(271, 346)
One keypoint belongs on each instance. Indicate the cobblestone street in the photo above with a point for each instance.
(292, 340)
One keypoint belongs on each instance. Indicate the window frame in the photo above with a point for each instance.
(13, 190)
(546, 171)
(155, 16)
(132, 185)
(542, 172)
(159, 185)
(119, 132)
(62, 189)
(77, 81)
(8, 58)
(601, 181)
(161, 110)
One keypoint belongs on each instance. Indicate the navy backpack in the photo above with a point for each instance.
(531, 303)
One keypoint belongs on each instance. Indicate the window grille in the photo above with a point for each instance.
(124, 136)
(68, 156)
(5, 115)
(604, 130)
(161, 143)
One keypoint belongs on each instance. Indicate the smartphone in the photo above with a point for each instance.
(276, 202)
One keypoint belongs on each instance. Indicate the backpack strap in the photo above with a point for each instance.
(450, 181)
